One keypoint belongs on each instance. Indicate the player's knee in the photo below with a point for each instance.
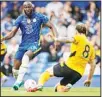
(50, 70)
(29, 54)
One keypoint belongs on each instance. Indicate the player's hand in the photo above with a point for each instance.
(87, 83)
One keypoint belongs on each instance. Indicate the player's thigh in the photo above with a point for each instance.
(58, 70)
(50, 70)
(29, 53)
(19, 54)
(70, 76)
(18, 58)
(34, 50)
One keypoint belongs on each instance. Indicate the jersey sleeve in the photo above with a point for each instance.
(44, 18)
(76, 39)
(18, 21)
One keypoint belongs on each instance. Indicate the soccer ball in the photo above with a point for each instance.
(30, 84)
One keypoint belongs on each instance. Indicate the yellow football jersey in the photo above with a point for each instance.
(81, 53)
(2, 48)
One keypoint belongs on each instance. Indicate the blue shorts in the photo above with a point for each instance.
(21, 51)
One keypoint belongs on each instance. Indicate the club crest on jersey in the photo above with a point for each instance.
(34, 20)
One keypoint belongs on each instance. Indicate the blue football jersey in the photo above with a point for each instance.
(30, 28)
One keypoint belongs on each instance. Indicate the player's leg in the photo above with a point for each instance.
(64, 85)
(4, 78)
(50, 72)
(70, 78)
(24, 66)
(28, 55)
(17, 62)
(15, 68)
(45, 76)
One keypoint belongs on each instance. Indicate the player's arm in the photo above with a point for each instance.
(92, 64)
(52, 27)
(65, 39)
(14, 29)
(92, 69)
(75, 39)
(10, 34)
(46, 22)
(90, 75)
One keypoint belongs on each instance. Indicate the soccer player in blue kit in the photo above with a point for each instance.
(30, 24)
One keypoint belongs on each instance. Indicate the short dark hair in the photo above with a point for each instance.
(81, 28)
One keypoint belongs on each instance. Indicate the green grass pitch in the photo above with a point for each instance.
(49, 91)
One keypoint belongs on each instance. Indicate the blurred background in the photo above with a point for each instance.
(64, 15)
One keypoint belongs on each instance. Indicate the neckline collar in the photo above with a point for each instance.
(31, 15)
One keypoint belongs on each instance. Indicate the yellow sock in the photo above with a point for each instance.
(60, 87)
(44, 77)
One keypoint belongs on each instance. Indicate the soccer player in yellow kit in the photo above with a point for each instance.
(3, 51)
(82, 52)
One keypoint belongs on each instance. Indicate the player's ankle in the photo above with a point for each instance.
(69, 86)
(61, 88)
(40, 87)
(15, 73)
(20, 83)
